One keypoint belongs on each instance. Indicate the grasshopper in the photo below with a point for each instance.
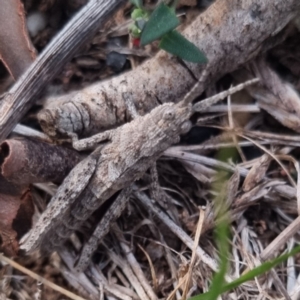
(130, 150)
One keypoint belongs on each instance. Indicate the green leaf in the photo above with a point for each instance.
(162, 20)
(176, 44)
(140, 23)
(137, 3)
(138, 13)
(222, 230)
(134, 31)
(222, 234)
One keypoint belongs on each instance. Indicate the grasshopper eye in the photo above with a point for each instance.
(186, 127)
(169, 114)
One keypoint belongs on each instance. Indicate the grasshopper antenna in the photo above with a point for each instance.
(195, 91)
(204, 104)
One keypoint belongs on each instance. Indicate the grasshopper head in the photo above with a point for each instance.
(173, 119)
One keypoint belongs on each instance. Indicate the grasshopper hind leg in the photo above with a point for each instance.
(113, 212)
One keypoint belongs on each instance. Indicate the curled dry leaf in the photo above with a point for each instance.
(16, 49)
(27, 161)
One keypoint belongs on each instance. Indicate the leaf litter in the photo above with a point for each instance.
(261, 194)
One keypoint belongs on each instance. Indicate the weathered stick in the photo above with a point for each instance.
(26, 161)
(229, 32)
(78, 31)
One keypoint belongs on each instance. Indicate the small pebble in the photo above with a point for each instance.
(36, 22)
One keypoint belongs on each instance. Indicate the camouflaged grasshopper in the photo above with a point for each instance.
(130, 150)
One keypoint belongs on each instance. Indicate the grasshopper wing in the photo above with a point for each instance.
(67, 193)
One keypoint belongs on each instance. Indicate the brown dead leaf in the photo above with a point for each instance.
(16, 49)
(15, 220)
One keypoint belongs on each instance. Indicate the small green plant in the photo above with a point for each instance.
(222, 238)
(219, 285)
(265, 267)
(160, 24)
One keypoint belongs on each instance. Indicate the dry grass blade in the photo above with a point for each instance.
(40, 279)
(176, 230)
(127, 270)
(188, 276)
(134, 264)
(231, 125)
(291, 179)
(296, 164)
(271, 250)
(153, 275)
(221, 108)
(257, 173)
